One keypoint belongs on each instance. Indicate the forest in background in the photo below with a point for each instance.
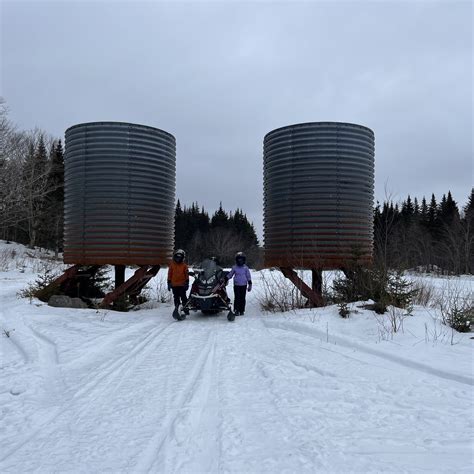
(430, 236)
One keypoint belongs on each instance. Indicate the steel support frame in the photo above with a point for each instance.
(69, 278)
(314, 294)
(133, 286)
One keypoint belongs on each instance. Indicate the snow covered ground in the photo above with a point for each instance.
(305, 391)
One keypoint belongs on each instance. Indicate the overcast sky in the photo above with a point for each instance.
(220, 75)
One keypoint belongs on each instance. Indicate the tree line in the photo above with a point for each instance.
(221, 235)
(427, 236)
(31, 186)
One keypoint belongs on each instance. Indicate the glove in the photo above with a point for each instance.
(169, 285)
(186, 286)
(249, 287)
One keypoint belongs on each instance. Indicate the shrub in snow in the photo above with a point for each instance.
(384, 288)
(42, 287)
(344, 310)
(278, 294)
(161, 288)
(391, 323)
(456, 306)
(400, 291)
(6, 257)
(97, 285)
(423, 293)
(461, 319)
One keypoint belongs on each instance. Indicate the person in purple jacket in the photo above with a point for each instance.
(242, 283)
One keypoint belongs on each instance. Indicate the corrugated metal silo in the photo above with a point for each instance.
(318, 195)
(119, 194)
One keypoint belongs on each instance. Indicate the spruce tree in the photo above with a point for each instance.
(55, 197)
(469, 208)
(424, 212)
(432, 215)
(416, 208)
(451, 212)
(220, 218)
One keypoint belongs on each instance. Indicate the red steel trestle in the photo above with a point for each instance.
(131, 287)
(314, 294)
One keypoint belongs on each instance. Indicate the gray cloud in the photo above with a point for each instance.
(221, 75)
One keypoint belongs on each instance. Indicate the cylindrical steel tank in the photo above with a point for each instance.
(318, 195)
(119, 194)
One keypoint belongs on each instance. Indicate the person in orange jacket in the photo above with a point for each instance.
(178, 279)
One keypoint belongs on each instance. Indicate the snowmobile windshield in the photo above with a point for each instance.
(209, 268)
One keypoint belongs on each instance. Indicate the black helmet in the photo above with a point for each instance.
(179, 255)
(240, 258)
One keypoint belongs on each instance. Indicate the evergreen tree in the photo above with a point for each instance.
(56, 172)
(220, 218)
(469, 208)
(34, 189)
(449, 211)
(54, 198)
(416, 209)
(432, 215)
(407, 211)
(179, 226)
(467, 226)
(424, 212)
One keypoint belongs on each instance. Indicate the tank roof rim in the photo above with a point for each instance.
(318, 123)
(118, 122)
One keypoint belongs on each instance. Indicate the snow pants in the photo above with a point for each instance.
(179, 295)
(239, 301)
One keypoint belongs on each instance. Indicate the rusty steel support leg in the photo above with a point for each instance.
(70, 282)
(317, 281)
(152, 272)
(315, 298)
(119, 275)
(132, 286)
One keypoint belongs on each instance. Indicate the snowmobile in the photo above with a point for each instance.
(208, 292)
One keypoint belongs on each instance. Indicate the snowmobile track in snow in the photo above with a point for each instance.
(188, 410)
(120, 368)
(341, 341)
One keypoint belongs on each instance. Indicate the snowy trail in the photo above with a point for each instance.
(107, 392)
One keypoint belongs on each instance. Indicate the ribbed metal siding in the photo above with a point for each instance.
(119, 194)
(318, 194)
